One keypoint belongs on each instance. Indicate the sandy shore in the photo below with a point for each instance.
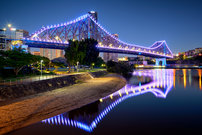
(31, 109)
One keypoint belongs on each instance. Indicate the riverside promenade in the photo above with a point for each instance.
(30, 109)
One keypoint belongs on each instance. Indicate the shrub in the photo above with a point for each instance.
(121, 68)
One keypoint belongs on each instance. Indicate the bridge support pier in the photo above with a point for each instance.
(158, 60)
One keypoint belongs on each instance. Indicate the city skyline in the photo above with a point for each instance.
(137, 22)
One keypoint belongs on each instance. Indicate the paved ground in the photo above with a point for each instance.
(31, 109)
(27, 79)
(31, 79)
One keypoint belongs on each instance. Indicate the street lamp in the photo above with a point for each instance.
(93, 64)
(77, 66)
(9, 25)
(4, 29)
(13, 29)
(41, 66)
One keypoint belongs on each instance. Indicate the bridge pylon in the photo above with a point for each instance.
(158, 60)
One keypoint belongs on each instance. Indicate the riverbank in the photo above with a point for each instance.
(169, 67)
(26, 87)
(31, 109)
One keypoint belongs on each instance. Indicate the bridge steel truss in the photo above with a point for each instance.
(57, 37)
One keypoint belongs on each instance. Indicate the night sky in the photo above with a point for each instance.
(142, 22)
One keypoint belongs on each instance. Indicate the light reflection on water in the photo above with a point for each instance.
(161, 83)
(190, 76)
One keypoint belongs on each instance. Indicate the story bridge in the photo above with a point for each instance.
(86, 26)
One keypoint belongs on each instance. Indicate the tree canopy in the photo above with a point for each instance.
(85, 52)
(17, 59)
(91, 51)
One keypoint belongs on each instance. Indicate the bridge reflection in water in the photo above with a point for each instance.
(88, 117)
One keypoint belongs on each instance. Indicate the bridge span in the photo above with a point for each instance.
(86, 26)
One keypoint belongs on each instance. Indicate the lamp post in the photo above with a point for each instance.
(93, 64)
(9, 27)
(10, 33)
(41, 66)
(77, 66)
(4, 29)
(14, 30)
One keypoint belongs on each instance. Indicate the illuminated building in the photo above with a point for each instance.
(110, 56)
(36, 53)
(2, 39)
(123, 59)
(198, 50)
(12, 33)
(20, 34)
(51, 53)
(194, 52)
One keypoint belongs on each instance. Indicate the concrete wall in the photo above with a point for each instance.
(21, 90)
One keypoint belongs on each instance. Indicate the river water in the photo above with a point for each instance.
(155, 101)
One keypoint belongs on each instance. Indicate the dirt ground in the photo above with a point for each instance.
(31, 109)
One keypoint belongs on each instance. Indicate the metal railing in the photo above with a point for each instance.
(28, 79)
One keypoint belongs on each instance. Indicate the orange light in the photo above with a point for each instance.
(185, 77)
(199, 75)
(174, 78)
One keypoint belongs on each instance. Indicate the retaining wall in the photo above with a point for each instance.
(21, 90)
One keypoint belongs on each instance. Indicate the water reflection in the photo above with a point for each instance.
(199, 75)
(88, 117)
(187, 77)
(159, 82)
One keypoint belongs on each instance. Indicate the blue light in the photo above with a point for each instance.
(139, 84)
(129, 88)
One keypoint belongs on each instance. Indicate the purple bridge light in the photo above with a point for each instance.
(160, 86)
(57, 37)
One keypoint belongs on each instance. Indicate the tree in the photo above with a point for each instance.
(180, 58)
(74, 53)
(17, 59)
(2, 60)
(91, 51)
(37, 61)
(85, 52)
(197, 60)
(121, 68)
(99, 62)
(61, 60)
(46, 61)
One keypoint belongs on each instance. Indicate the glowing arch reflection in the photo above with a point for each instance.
(160, 86)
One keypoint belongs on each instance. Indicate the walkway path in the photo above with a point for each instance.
(35, 108)
(28, 79)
